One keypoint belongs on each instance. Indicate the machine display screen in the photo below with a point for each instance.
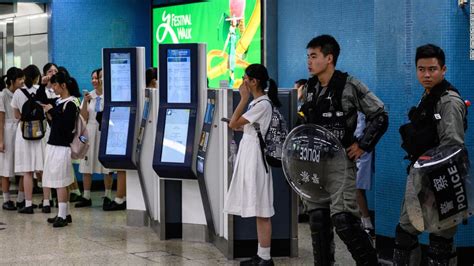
(179, 75)
(117, 134)
(175, 136)
(120, 77)
(231, 30)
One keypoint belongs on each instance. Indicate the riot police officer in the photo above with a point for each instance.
(331, 100)
(438, 120)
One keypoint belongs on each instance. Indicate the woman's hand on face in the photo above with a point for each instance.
(45, 79)
(244, 92)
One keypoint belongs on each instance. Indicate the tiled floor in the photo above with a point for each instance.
(102, 238)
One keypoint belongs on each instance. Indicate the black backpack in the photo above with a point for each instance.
(33, 122)
(272, 145)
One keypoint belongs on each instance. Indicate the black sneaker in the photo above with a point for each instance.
(46, 209)
(106, 203)
(114, 206)
(256, 260)
(35, 206)
(9, 206)
(20, 204)
(83, 203)
(73, 197)
(53, 219)
(60, 222)
(27, 210)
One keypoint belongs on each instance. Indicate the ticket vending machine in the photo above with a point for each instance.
(124, 106)
(123, 74)
(182, 96)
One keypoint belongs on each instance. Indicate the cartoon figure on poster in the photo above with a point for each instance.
(237, 20)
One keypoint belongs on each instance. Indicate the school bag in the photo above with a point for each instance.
(80, 141)
(32, 120)
(272, 145)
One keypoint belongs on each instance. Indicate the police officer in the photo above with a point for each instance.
(438, 120)
(331, 100)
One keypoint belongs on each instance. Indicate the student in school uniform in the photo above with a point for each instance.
(91, 107)
(57, 166)
(28, 153)
(251, 190)
(8, 125)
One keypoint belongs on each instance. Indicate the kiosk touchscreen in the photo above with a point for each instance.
(175, 143)
(123, 69)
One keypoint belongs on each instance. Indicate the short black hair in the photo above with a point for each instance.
(430, 51)
(327, 44)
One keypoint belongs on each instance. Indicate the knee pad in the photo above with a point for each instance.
(319, 219)
(441, 251)
(405, 240)
(356, 239)
(407, 250)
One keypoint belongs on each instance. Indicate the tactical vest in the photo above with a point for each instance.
(324, 108)
(421, 134)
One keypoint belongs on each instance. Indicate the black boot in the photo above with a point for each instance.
(407, 250)
(356, 239)
(322, 236)
(441, 251)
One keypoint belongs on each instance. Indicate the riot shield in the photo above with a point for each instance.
(439, 191)
(314, 163)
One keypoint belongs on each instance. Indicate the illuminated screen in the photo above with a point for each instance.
(117, 134)
(120, 77)
(175, 136)
(231, 29)
(179, 75)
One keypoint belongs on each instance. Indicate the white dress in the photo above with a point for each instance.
(7, 163)
(251, 189)
(28, 153)
(90, 164)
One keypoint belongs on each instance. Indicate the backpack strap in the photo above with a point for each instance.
(262, 144)
(28, 95)
(260, 136)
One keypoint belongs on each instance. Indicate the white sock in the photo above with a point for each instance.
(21, 196)
(28, 203)
(76, 191)
(62, 210)
(87, 194)
(108, 193)
(6, 196)
(45, 202)
(119, 200)
(263, 253)
(40, 184)
(367, 223)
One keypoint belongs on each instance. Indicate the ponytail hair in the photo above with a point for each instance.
(2, 82)
(32, 75)
(71, 83)
(260, 73)
(273, 93)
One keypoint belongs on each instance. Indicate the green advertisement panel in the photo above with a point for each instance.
(230, 28)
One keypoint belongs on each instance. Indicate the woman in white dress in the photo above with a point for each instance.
(92, 104)
(57, 164)
(251, 190)
(8, 125)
